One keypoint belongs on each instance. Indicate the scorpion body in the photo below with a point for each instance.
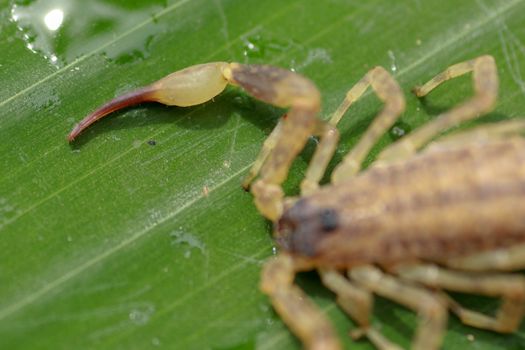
(428, 216)
(443, 203)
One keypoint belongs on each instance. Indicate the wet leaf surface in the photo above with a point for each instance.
(138, 235)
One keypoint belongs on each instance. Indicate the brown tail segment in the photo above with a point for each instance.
(132, 98)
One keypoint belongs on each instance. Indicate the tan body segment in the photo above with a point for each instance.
(411, 226)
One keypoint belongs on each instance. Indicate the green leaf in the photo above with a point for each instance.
(121, 243)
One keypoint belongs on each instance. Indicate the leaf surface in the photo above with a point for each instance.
(139, 235)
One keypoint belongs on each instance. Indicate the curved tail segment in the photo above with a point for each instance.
(132, 98)
(187, 87)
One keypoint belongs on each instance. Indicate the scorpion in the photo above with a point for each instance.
(431, 214)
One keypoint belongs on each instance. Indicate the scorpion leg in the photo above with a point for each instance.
(510, 287)
(499, 130)
(323, 153)
(505, 259)
(388, 91)
(357, 302)
(329, 136)
(302, 316)
(485, 78)
(268, 146)
(281, 88)
(429, 306)
(327, 145)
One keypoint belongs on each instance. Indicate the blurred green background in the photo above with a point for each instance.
(139, 235)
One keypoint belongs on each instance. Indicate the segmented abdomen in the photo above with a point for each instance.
(441, 203)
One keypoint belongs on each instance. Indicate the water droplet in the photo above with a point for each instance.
(180, 237)
(7, 211)
(274, 250)
(313, 139)
(264, 307)
(43, 98)
(141, 315)
(399, 130)
(315, 55)
(260, 44)
(53, 19)
(253, 47)
(244, 101)
(63, 30)
(393, 65)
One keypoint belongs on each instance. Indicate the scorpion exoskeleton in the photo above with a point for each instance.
(414, 224)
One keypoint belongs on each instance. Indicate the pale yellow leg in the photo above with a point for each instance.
(430, 308)
(485, 79)
(268, 146)
(303, 317)
(507, 319)
(486, 132)
(390, 93)
(505, 259)
(510, 287)
(357, 302)
(285, 89)
(388, 90)
(329, 136)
